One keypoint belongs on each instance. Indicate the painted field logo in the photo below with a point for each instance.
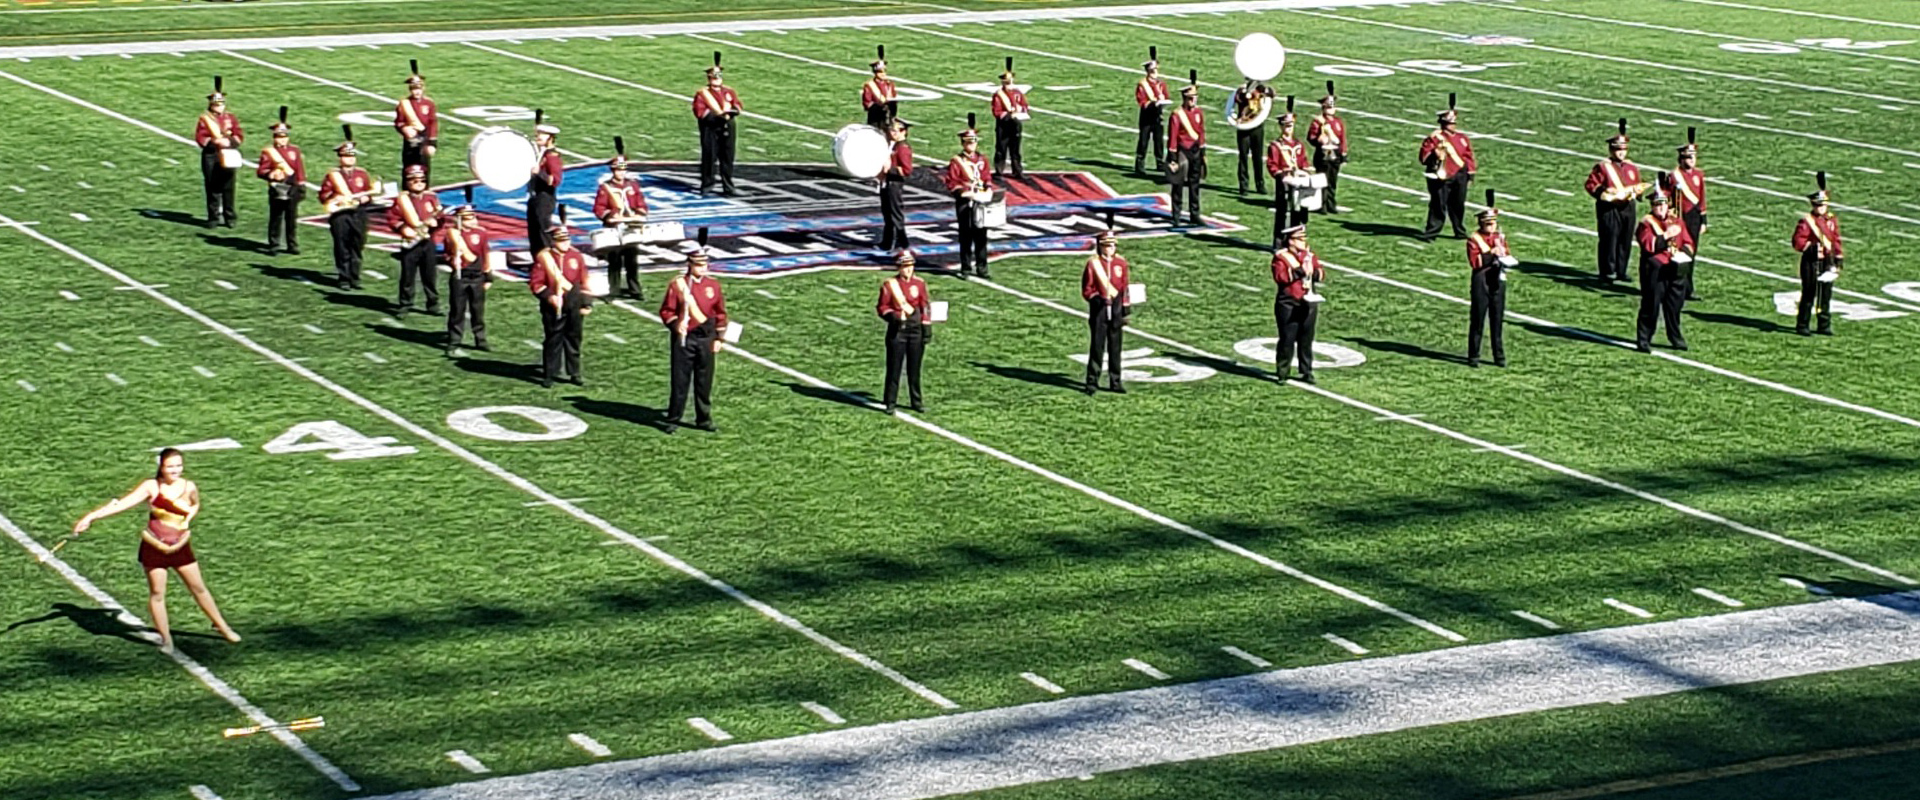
(1491, 39)
(789, 217)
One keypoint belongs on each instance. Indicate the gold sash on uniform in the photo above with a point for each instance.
(712, 102)
(873, 86)
(413, 117)
(900, 299)
(462, 251)
(405, 204)
(1446, 144)
(213, 125)
(343, 192)
(1006, 101)
(1614, 180)
(689, 308)
(1099, 267)
(1153, 90)
(1187, 124)
(1680, 182)
(1826, 245)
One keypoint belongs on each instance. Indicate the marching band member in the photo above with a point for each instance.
(1286, 159)
(715, 106)
(1486, 248)
(1187, 151)
(344, 194)
(619, 201)
(418, 123)
(217, 131)
(1687, 185)
(877, 95)
(559, 279)
(1247, 102)
(1615, 185)
(1010, 110)
(1296, 270)
(466, 255)
(695, 312)
(544, 186)
(969, 181)
(1817, 237)
(893, 183)
(1328, 133)
(285, 172)
(906, 307)
(166, 544)
(415, 218)
(1447, 155)
(1151, 95)
(1104, 286)
(1661, 238)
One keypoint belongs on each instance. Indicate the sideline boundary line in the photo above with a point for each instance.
(491, 468)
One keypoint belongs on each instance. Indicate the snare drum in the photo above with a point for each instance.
(502, 158)
(656, 232)
(994, 214)
(605, 239)
(230, 158)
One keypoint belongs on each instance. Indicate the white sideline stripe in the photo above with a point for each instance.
(1045, 685)
(1135, 509)
(1038, 274)
(614, 337)
(1629, 608)
(1559, 192)
(213, 682)
(515, 35)
(587, 743)
(467, 762)
(824, 713)
(1537, 620)
(510, 478)
(201, 792)
(1256, 661)
(1345, 644)
(711, 730)
(1718, 598)
(531, 344)
(1490, 446)
(1259, 712)
(1394, 203)
(1146, 669)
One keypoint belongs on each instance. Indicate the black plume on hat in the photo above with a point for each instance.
(716, 58)
(880, 52)
(620, 145)
(1289, 103)
(1623, 126)
(1451, 99)
(414, 64)
(970, 120)
(1329, 88)
(1490, 198)
(1821, 179)
(468, 194)
(1009, 63)
(1153, 53)
(346, 131)
(1193, 77)
(1690, 134)
(283, 115)
(539, 116)
(701, 236)
(216, 84)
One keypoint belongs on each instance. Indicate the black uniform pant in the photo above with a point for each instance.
(1660, 297)
(1295, 319)
(1617, 224)
(283, 223)
(1188, 179)
(623, 270)
(893, 213)
(1283, 217)
(906, 343)
(1328, 163)
(1447, 202)
(716, 151)
(411, 154)
(1816, 298)
(1694, 220)
(1251, 145)
(692, 364)
(560, 348)
(973, 239)
(467, 302)
(219, 186)
(1006, 146)
(1106, 321)
(1489, 310)
(540, 207)
(417, 265)
(1153, 126)
(349, 229)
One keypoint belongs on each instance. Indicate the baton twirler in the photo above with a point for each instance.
(307, 724)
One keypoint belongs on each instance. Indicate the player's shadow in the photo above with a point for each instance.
(169, 215)
(1753, 323)
(526, 373)
(1378, 229)
(625, 412)
(241, 244)
(1116, 166)
(291, 273)
(97, 621)
(858, 398)
(1406, 349)
(1036, 377)
(1843, 587)
(359, 300)
(435, 338)
(1577, 278)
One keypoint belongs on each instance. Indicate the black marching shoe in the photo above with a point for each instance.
(1306, 377)
(1473, 363)
(1500, 361)
(1680, 345)
(1090, 387)
(1644, 347)
(482, 347)
(890, 408)
(1825, 331)
(1802, 332)
(921, 408)
(707, 426)
(1113, 385)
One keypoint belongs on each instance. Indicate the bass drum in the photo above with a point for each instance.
(502, 159)
(860, 150)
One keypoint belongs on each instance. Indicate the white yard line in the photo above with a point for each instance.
(593, 747)
(511, 478)
(711, 730)
(467, 762)
(1344, 644)
(1146, 669)
(1097, 494)
(614, 338)
(824, 713)
(1510, 452)
(1629, 608)
(1066, 738)
(289, 739)
(1045, 685)
(1718, 598)
(1256, 661)
(1537, 620)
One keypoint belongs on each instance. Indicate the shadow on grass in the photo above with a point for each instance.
(1406, 349)
(96, 621)
(1053, 379)
(625, 412)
